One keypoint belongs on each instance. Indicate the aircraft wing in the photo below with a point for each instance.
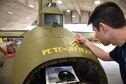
(12, 33)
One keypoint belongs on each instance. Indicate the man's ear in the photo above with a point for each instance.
(103, 27)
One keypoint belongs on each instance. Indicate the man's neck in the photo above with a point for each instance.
(119, 36)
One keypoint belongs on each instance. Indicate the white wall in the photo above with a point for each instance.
(78, 27)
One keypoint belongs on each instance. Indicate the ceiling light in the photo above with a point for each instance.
(10, 12)
(27, 17)
(97, 2)
(68, 11)
(73, 16)
(32, 6)
(59, 2)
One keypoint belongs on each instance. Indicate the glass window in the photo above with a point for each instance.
(51, 19)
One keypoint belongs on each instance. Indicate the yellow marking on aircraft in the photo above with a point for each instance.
(61, 49)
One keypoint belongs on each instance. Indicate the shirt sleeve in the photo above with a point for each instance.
(114, 54)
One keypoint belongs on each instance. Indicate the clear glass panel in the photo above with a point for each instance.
(53, 19)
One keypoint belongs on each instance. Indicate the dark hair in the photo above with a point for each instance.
(108, 13)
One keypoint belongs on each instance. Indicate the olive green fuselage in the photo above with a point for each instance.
(46, 46)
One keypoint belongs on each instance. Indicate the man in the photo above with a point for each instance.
(109, 25)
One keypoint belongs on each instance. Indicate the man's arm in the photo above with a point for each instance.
(96, 50)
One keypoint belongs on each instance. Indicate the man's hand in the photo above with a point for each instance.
(80, 38)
